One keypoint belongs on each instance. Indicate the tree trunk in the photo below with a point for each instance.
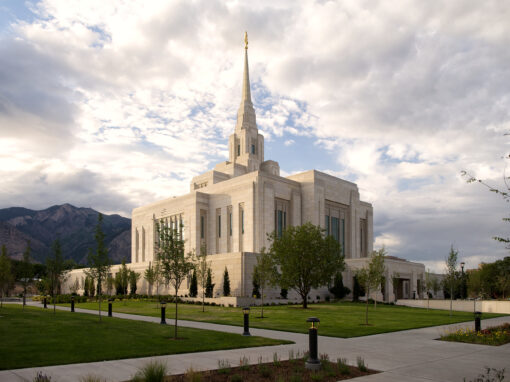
(262, 302)
(451, 300)
(305, 300)
(203, 299)
(366, 310)
(176, 306)
(428, 301)
(24, 298)
(100, 308)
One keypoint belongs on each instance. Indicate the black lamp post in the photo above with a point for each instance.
(110, 307)
(45, 303)
(246, 314)
(313, 362)
(72, 304)
(478, 319)
(163, 308)
(463, 288)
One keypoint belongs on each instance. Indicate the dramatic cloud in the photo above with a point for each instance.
(113, 105)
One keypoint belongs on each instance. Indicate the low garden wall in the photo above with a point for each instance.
(485, 306)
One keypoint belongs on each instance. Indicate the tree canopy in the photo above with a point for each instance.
(306, 258)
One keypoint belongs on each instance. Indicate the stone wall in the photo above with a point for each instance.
(484, 306)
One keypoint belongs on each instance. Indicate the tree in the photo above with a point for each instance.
(175, 263)
(5, 274)
(26, 272)
(99, 262)
(56, 271)
(209, 286)
(133, 280)
(265, 273)
(110, 284)
(73, 288)
(122, 279)
(338, 289)
(371, 275)
(475, 286)
(450, 279)
(226, 283)
(150, 276)
(306, 258)
(204, 278)
(193, 288)
(256, 287)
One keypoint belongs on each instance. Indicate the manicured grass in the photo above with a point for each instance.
(341, 319)
(37, 337)
(497, 335)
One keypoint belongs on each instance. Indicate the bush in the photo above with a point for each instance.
(361, 364)
(40, 377)
(154, 371)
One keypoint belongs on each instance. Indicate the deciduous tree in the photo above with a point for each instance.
(175, 263)
(56, 271)
(6, 278)
(193, 287)
(371, 275)
(26, 272)
(451, 277)
(265, 274)
(306, 258)
(150, 276)
(99, 261)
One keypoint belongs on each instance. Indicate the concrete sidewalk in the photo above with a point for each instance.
(406, 356)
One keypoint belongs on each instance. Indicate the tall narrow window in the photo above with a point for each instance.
(219, 225)
(280, 216)
(253, 149)
(327, 225)
(230, 223)
(238, 150)
(242, 221)
(143, 244)
(136, 245)
(202, 227)
(335, 228)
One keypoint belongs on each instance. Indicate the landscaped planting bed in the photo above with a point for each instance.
(494, 335)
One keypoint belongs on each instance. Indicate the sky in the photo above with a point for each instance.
(117, 104)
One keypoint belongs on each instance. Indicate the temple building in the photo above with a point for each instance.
(231, 209)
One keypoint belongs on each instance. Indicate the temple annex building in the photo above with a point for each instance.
(233, 207)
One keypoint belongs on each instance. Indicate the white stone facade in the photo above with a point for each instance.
(232, 208)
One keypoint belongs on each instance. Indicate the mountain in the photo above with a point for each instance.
(74, 226)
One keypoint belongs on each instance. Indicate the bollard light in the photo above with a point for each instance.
(72, 303)
(163, 308)
(478, 319)
(246, 314)
(313, 362)
(110, 307)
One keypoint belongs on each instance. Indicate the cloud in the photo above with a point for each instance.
(114, 105)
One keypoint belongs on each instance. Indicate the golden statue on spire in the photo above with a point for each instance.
(245, 40)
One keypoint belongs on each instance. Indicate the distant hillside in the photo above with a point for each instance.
(74, 226)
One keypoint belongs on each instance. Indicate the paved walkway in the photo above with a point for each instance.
(406, 356)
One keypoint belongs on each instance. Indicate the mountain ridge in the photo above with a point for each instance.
(74, 226)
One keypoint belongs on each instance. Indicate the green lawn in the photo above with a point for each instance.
(342, 319)
(37, 337)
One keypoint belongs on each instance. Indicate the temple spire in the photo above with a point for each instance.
(246, 113)
(246, 75)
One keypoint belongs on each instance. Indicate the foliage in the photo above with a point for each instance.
(57, 271)
(89, 287)
(226, 283)
(99, 261)
(154, 371)
(451, 277)
(150, 276)
(283, 293)
(209, 286)
(496, 335)
(256, 287)
(204, 277)
(6, 278)
(491, 280)
(193, 287)
(121, 279)
(490, 375)
(175, 264)
(133, 280)
(371, 275)
(357, 290)
(338, 289)
(40, 377)
(265, 274)
(26, 272)
(306, 258)
(361, 364)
